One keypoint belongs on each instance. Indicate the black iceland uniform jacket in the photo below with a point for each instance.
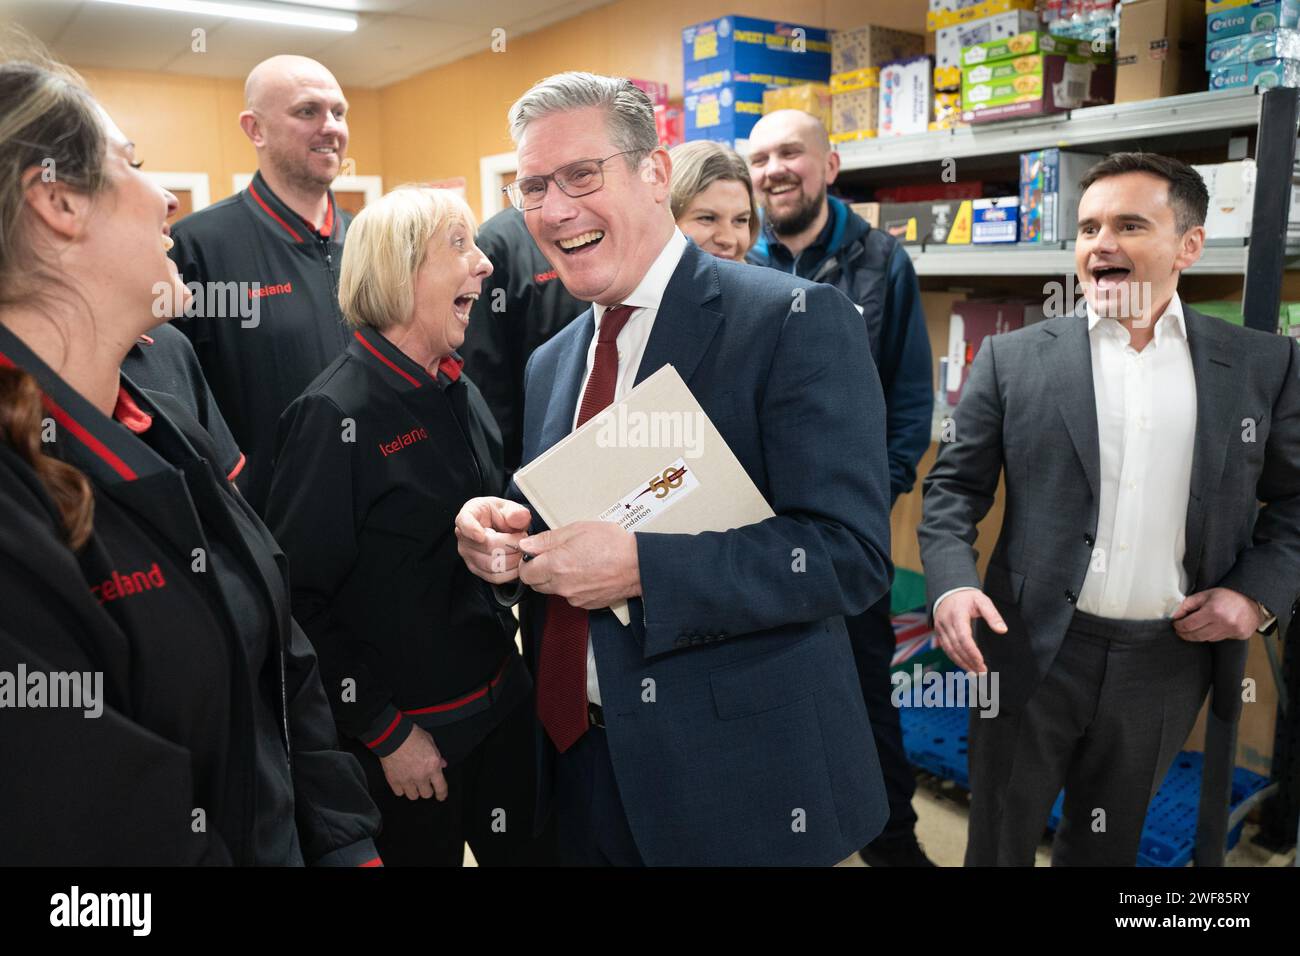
(522, 305)
(256, 364)
(164, 361)
(376, 459)
(214, 744)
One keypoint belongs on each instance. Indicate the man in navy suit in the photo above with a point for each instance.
(725, 725)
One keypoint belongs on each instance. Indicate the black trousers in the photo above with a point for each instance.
(491, 795)
(590, 824)
(1105, 723)
(872, 637)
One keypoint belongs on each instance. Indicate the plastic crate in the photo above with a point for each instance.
(935, 741)
(1169, 836)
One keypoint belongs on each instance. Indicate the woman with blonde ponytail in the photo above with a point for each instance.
(158, 705)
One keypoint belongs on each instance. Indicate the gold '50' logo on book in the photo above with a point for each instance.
(663, 485)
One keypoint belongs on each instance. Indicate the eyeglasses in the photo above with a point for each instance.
(581, 178)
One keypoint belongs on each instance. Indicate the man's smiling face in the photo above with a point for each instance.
(1128, 253)
(601, 244)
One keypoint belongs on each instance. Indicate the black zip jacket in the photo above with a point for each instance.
(257, 365)
(164, 361)
(215, 743)
(406, 634)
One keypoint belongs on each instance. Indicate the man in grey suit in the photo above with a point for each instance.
(1134, 560)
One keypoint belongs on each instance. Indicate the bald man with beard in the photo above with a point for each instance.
(265, 320)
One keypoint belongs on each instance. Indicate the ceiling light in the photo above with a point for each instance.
(278, 13)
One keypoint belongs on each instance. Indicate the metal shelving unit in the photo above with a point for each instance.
(1229, 258)
(1170, 116)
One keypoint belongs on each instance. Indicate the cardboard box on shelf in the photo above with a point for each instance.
(751, 45)
(943, 221)
(1256, 17)
(872, 46)
(995, 220)
(1232, 198)
(1253, 47)
(949, 42)
(947, 78)
(670, 125)
(1022, 44)
(814, 98)
(855, 104)
(1059, 84)
(724, 106)
(947, 109)
(1160, 50)
(1264, 74)
(1049, 193)
(970, 322)
(938, 19)
(870, 211)
(905, 97)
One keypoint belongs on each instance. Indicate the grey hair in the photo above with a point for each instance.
(631, 114)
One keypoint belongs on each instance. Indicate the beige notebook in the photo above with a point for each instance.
(651, 462)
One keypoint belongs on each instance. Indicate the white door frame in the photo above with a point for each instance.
(196, 184)
(372, 186)
(490, 168)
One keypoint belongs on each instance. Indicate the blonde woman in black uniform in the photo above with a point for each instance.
(127, 557)
(375, 459)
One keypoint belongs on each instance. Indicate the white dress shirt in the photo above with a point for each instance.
(1146, 430)
(631, 344)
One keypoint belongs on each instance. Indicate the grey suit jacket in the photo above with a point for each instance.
(1029, 410)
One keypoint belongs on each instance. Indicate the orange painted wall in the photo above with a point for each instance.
(191, 123)
(439, 123)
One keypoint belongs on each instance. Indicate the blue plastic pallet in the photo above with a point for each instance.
(935, 741)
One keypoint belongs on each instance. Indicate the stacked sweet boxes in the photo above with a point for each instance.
(1252, 44)
(1049, 193)
(813, 98)
(1030, 74)
(957, 24)
(856, 59)
(731, 61)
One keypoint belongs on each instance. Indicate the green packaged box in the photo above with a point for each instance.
(1025, 43)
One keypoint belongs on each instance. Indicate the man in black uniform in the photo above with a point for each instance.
(265, 318)
(523, 304)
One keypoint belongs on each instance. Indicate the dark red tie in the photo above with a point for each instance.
(562, 664)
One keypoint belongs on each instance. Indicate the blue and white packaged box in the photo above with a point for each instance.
(1258, 17)
(1252, 47)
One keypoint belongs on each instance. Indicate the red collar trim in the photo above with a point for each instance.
(64, 420)
(385, 359)
(450, 367)
(328, 226)
(272, 213)
(136, 420)
(145, 339)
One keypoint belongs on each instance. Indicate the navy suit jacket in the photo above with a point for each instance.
(735, 719)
